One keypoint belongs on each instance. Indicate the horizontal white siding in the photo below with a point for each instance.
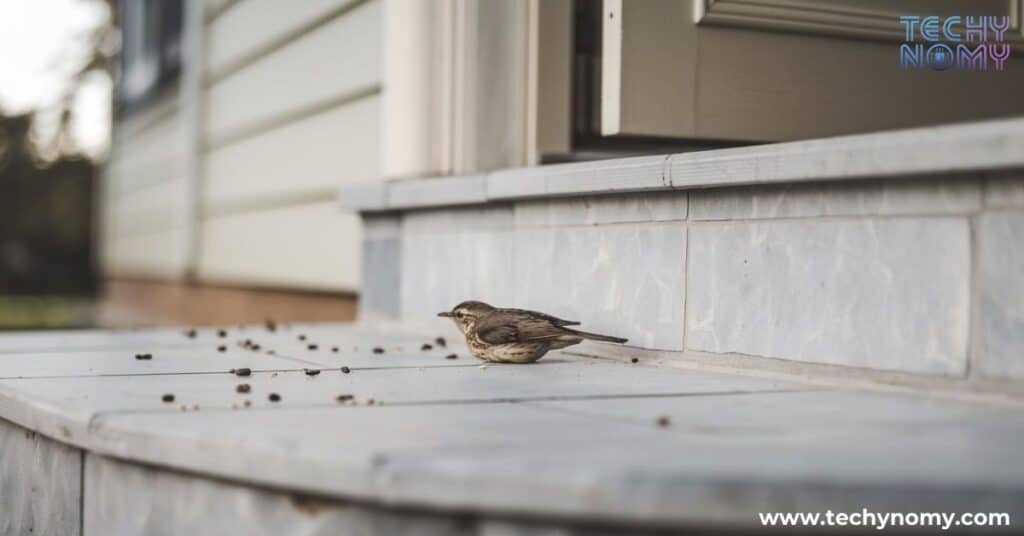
(160, 254)
(145, 197)
(305, 246)
(155, 154)
(152, 208)
(254, 25)
(339, 58)
(314, 154)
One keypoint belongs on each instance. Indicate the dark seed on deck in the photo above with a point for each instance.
(167, 398)
(244, 372)
(144, 357)
(312, 346)
(274, 397)
(271, 326)
(222, 348)
(634, 360)
(243, 388)
(346, 370)
(344, 398)
(247, 403)
(302, 337)
(191, 333)
(222, 333)
(441, 342)
(311, 372)
(663, 421)
(378, 350)
(334, 349)
(426, 347)
(451, 356)
(255, 347)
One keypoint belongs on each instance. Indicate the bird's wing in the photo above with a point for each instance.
(508, 326)
(553, 319)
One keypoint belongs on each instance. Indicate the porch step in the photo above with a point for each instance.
(430, 442)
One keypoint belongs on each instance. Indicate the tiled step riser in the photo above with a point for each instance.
(921, 275)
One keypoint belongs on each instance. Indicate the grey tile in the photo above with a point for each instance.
(461, 219)
(889, 294)
(442, 269)
(1001, 294)
(624, 280)
(380, 294)
(121, 498)
(436, 191)
(40, 484)
(1005, 190)
(593, 210)
(622, 174)
(856, 198)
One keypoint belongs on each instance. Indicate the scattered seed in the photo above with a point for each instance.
(634, 360)
(191, 333)
(451, 356)
(313, 346)
(334, 349)
(274, 397)
(302, 337)
(244, 372)
(274, 375)
(243, 388)
(247, 403)
(167, 398)
(370, 401)
(663, 421)
(441, 342)
(222, 348)
(271, 326)
(143, 357)
(195, 407)
(311, 372)
(271, 352)
(426, 347)
(256, 347)
(183, 407)
(378, 350)
(221, 333)
(346, 370)
(344, 398)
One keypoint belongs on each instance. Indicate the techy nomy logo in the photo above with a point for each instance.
(971, 43)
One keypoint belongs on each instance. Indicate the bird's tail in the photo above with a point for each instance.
(597, 336)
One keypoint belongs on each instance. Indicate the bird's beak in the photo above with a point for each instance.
(444, 314)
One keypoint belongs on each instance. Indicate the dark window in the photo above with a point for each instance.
(151, 54)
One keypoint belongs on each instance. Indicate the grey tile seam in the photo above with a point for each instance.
(98, 416)
(255, 370)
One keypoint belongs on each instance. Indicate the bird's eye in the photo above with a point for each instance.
(458, 314)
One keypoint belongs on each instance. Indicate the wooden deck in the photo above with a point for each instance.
(408, 437)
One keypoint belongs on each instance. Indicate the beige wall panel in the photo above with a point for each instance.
(309, 246)
(339, 58)
(755, 85)
(254, 24)
(340, 145)
(649, 52)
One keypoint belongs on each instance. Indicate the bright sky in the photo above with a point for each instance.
(42, 42)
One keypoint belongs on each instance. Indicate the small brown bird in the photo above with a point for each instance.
(515, 335)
